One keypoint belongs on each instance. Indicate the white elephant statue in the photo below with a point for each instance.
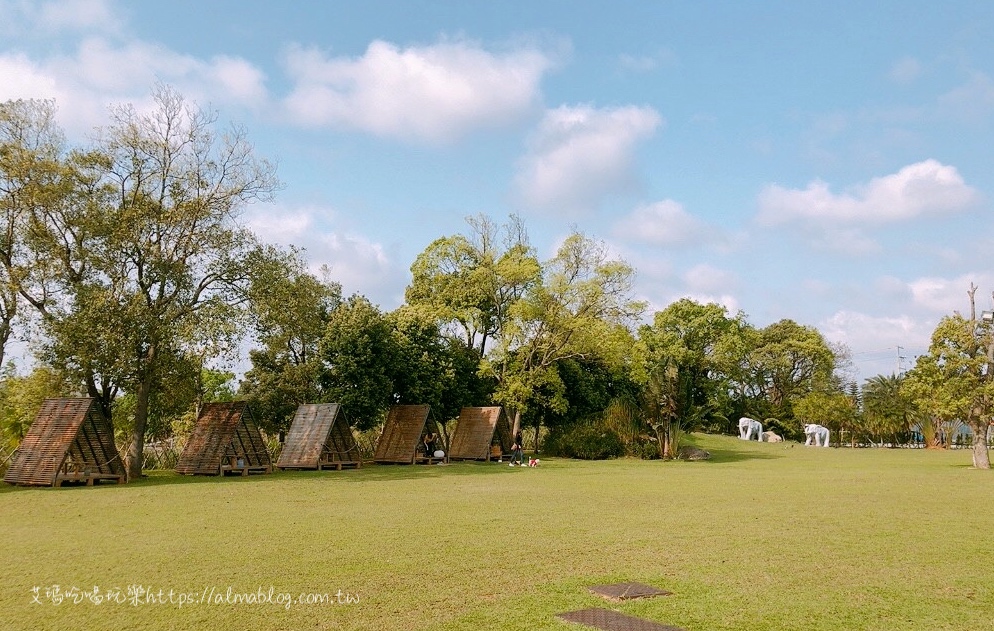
(817, 434)
(750, 427)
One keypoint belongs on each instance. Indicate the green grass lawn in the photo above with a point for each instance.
(763, 536)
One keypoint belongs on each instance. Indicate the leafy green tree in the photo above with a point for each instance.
(470, 283)
(887, 408)
(833, 409)
(33, 177)
(788, 361)
(577, 310)
(147, 254)
(960, 366)
(289, 309)
(933, 411)
(431, 368)
(359, 351)
(21, 398)
(691, 356)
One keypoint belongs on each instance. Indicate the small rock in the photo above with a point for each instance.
(693, 453)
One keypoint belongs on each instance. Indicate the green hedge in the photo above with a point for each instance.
(585, 442)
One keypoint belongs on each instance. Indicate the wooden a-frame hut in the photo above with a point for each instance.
(70, 440)
(225, 439)
(319, 438)
(401, 435)
(475, 433)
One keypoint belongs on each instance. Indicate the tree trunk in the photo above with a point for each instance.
(666, 440)
(981, 459)
(516, 427)
(136, 452)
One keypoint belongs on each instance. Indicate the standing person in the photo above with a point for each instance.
(429, 441)
(517, 457)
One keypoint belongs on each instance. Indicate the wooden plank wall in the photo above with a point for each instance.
(401, 434)
(308, 435)
(223, 431)
(475, 432)
(68, 436)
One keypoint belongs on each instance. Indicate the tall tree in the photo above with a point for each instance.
(787, 361)
(583, 300)
(431, 368)
(470, 282)
(887, 409)
(289, 309)
(153, 261)
(31, 177)
(359, 351)
(960, 366)
(691, 355)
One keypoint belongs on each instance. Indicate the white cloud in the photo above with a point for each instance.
(648, 62)
(20, 78)
(971, 101)
(101, 73)
(638, 63)
(923, 188)
(905, 70)
(707, 278)
(580, 155)
(358, 263)
(665, 223)
(943, 296)
(844, 241)
(874, 340)
(435, 93)
(32, 19)
(911, 311)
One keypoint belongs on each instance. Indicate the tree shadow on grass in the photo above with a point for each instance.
(725, 455)
(368, 472)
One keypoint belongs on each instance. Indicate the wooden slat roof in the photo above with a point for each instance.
(311, 432)
(72, 428)
(475, 433)
(222, 430)
(401, 434)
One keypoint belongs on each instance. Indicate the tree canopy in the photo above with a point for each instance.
(126, 263)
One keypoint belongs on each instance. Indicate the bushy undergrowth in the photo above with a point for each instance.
(585, 442)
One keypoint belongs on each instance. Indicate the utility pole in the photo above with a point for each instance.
(899, 358)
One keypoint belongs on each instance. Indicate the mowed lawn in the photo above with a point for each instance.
(763, 536)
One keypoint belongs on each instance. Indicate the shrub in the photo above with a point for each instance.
(585, 442)
(644, 449)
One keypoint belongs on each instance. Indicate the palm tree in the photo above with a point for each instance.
(887, 409)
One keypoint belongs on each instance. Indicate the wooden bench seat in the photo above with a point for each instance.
(89, 478)
(244, 470)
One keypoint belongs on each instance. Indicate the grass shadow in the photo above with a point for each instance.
(368, 472)
(727, 449)
(721, 456)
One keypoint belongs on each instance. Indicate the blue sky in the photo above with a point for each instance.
(824, 162)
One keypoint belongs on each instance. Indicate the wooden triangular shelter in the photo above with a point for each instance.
(319, 438)
(401, 435)
(225, 439)
(70, 440)
(475, 433)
